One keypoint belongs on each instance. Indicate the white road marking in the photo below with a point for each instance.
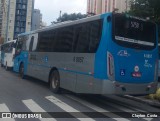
(98, 109)
(67, 108)
(34, 107)
(3, 109)
(126, 109)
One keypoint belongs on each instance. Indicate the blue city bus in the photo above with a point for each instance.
(7, 54)
(110, 53)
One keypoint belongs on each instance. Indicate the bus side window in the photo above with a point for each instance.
(83, 39)
(44, 41)
(64, 40)
(95, 35)
(77, 30)
(31, 43)
(19, 47)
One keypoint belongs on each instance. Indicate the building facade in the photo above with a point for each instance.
(103, 6)
(37, 19)
(17, 18)
(1, 16)
(4, 10)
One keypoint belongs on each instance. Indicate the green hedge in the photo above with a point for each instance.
(154, 96)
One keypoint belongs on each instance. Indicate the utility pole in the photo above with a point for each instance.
(60, 14)
(126, 5)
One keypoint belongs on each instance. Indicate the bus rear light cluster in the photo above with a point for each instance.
(110, 65)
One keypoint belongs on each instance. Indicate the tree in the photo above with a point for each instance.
(146, 9)
(67, 17)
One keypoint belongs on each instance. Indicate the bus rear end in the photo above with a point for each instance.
(132, 57)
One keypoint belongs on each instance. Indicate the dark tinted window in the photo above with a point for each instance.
(133, 32)
(45, 41)
(31, 43)
(87, 36)
(59, 40)
(9, 47)
(81, 38)
(23, 40)
(95, 35)
(64, 39)
(19, 46)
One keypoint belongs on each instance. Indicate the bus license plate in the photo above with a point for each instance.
(136, 74)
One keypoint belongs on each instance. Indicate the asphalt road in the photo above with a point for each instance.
(28, 96)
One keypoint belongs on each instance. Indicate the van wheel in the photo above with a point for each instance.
(21, 71)
(55, 81)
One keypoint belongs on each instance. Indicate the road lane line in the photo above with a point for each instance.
(34, 107)
(98, 109)
(4, 108)
(67, 108)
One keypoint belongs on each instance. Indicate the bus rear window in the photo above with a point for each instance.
(134, 32)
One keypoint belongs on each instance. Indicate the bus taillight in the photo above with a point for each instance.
(110, 65)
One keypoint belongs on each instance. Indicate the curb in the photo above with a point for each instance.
(143, 100)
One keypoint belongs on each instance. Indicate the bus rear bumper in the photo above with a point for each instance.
(113, 87)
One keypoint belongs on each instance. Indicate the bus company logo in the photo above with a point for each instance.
(6, 115)
(148, 56)
(147, 64)
(136, 68)
(123, 53)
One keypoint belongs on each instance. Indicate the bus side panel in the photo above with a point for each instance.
(38, 65)
(46, 61)
(67, 70)
(85, 72)
(76, 70)
(101, 54)
(8, 60)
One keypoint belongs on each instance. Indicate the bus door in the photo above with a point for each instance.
(33, 61)
(18, 57)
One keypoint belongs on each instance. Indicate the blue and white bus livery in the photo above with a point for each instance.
(104, 54)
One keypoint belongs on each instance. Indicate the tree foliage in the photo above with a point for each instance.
(67, 17)
(146, 9)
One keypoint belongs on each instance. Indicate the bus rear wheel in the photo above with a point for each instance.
(21, 71)
(55, 81)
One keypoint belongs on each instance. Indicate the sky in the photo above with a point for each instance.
(50, 9)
